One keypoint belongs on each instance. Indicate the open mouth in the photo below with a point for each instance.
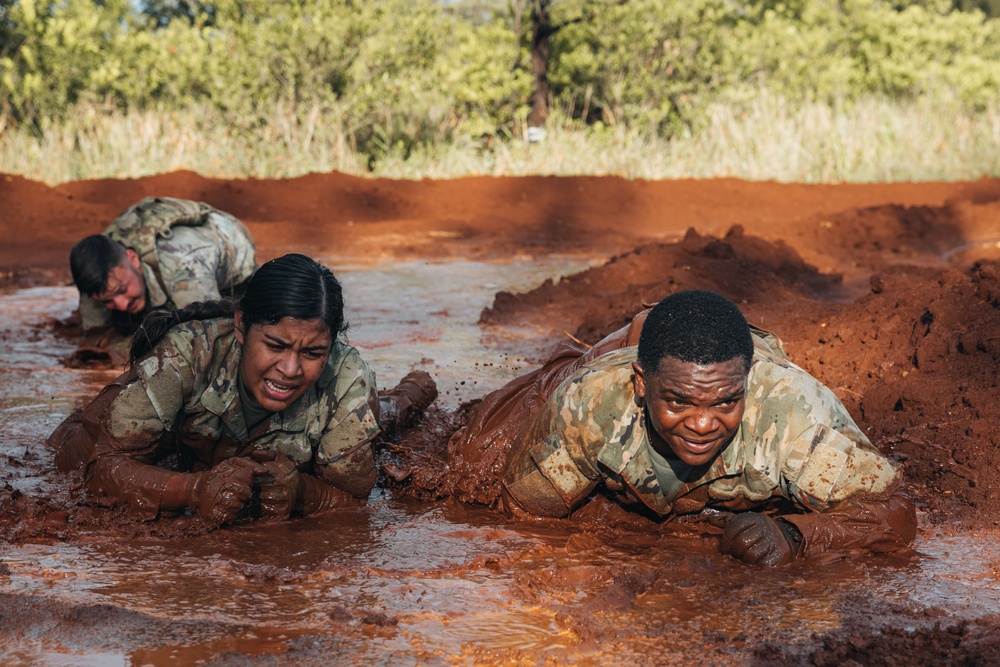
(278, 392)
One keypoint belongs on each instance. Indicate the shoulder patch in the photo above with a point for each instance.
(555, 463)
(830, 467)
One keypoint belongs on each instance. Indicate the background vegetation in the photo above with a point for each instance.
(795, 90)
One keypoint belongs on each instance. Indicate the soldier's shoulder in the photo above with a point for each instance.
(345, 363)
(607, 378)
(196, 337)
(612, 362)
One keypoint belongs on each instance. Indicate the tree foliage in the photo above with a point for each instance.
(400, 73)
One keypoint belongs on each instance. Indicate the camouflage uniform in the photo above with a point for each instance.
(184, 398)
(796, 442)
(189, 252)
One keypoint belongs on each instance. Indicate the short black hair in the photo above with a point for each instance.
(695, 326)
(92, 259)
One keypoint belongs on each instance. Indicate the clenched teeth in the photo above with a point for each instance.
(280, 388)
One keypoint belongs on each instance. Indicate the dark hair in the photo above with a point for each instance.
(92, 259)
(290, 286)
(294, 286)
(696, 327)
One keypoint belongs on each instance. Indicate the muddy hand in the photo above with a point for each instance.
(279, 487)
(220, 493)
(757, 539)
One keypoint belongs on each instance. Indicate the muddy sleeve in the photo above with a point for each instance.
(849, 491)
(188, 265)
(858, 525)
(346, 457)
(128, 427)
(799, 434)
(549, 471)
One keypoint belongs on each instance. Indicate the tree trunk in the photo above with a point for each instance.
(541, 30)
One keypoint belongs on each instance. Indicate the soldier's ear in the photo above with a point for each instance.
(639, 380)
(238, 326)
(133, 258)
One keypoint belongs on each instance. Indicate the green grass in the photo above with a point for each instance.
(761, 139)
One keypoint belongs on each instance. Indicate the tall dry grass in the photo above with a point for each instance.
(763, 138)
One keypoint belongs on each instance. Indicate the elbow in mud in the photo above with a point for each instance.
(519, 505)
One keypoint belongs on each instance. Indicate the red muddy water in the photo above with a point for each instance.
(889, 293)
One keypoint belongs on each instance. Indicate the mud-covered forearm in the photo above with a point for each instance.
(118, 480)
(317, 496)
(354, 474)
(118, 472)
(877, 526)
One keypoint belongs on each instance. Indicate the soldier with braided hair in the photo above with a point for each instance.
(705, 418)
(258, 400)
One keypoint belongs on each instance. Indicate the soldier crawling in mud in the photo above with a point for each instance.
(159, 253)
(706, 418)
(258, 401)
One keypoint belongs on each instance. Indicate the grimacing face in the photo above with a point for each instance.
(694, 408)
(126, 287)
(282, 361)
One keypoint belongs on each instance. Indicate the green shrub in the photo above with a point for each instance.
(399, 76)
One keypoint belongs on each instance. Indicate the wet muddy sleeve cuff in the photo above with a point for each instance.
(316, 496)
(120, 481)
(875, 526)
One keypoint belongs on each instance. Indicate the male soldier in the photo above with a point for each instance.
(705, 415)
(160, 253)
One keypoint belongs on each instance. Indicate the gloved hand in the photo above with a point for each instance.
(220, 493)
(757, 539)
(279, 487)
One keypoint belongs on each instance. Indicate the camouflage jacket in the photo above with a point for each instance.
(796, 441)
(184, 397)
(189, 252)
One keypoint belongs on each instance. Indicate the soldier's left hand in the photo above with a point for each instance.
(279, 488)
(757, 539)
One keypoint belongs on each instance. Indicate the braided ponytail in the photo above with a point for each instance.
(157, 323)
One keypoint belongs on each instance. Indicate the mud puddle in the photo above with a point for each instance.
(402, 583)
(407, 315)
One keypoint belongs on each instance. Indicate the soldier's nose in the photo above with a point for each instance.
(702, 422)
(121, 302)
(289, 365)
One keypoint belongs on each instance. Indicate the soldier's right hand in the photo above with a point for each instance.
(757, 539)
(220, 493)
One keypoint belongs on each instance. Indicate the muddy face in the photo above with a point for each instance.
(281, 361)
(694, 408)
(125, 290)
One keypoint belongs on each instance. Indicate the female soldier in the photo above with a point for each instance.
(257, 395)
